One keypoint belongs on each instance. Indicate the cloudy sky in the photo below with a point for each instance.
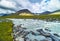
(36, 6)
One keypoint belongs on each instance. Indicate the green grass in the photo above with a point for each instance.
(34, 17)
(52, 16)
(6, 27)
(5, 31)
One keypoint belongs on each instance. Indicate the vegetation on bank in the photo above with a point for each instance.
(26, 14)
(6, 25)
(42, 17)
(48, 17)
(6, 31)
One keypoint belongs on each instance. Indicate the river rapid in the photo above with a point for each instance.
(33, 24)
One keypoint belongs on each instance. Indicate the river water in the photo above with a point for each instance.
(36, 24)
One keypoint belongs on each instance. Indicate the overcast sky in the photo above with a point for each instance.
(36, 6)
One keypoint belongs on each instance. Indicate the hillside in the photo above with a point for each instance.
(25, 14)
(56, 13)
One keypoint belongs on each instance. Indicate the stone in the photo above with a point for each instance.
(33, 33)
(56, 35)
(35, 40)
(27, 39)
(43, 33)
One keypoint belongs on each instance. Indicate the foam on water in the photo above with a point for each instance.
(36, 24)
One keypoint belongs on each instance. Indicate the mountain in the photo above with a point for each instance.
(55, 12)
(27, 11)
(23, 11)
(18, 12)
(26, 14)
(3, 14)
(46, 12)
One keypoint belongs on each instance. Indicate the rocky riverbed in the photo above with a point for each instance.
(24, 34)
(35, 30)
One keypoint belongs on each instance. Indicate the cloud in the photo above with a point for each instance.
(54, 5)
(44, 5)
(3, 11)
(36, 7)
(7, 6)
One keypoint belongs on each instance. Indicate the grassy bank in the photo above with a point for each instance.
(43, 17)
(53, 16)
(5, 31)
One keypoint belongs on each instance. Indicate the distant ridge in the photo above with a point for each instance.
(46, 12)
(29, 12)
(56, 11)
(3, 14)
(26, 14)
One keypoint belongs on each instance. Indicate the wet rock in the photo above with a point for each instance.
(20, 33)
(54, 38)
(33, 33)
(35, 40)
(38, 37)
(19, 39)
(47, 29)
(25, 34)
(43, 33)
(27, 39)
(56, 35)
(44, 40)
(49, 39)
(24, 28)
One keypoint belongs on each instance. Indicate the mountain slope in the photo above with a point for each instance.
(27, 12)
(28, 15)
(23, 10)
(56, 13)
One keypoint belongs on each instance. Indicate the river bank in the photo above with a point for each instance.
(29, 26)
(6, 30)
